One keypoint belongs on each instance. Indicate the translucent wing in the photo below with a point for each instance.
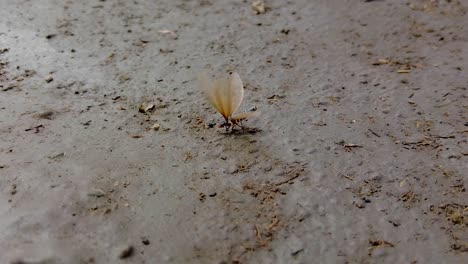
(224, 94)
(211, 91)
(244, 116)
(222, 97)
(236, 92)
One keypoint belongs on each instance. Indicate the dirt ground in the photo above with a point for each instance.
(359, 155)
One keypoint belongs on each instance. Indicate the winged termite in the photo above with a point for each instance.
(226, 95)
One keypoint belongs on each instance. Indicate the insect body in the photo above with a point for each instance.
(238, 119)
(226, 95)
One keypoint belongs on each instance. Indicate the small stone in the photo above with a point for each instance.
(49, 36)
(49, 78)
(13, 190)
(96, 193)
(395, 223)
(124, 252)
(201, 197)
(156, 127)
(145, 241)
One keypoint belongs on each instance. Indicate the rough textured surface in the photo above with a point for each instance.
(361, 157)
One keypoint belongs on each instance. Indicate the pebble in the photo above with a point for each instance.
(145, 241)
(13, 190)
(49, 78)
(96, 193)
(124, 252)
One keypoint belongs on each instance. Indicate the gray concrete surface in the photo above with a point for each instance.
(359, 156)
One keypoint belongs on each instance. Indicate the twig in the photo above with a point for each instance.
(342, 174)
(375, 134)
(443, 137)
(298, 173)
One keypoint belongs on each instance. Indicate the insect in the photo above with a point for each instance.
(226, 95)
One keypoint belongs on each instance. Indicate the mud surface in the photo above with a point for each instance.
(359, 156)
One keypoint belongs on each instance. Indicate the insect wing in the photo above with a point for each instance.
(211, 91)
(236, 92)
(223, 97)
(244, 116)
(223, 94)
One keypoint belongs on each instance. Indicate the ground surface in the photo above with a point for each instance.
(359, 156)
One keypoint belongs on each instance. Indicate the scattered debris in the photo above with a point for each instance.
(342, 174)
(49, 115)
(425, 142)
(294, 174)
(460, 246)
(378, 244)
(57, 156)
(456, 213)
(187, 156)
(36, 129)
(124, 77)
(409, 197)
(348, 147)
(275, 97)
(9, 87)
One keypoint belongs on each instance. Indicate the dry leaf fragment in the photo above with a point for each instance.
(275, 97)
(172, 33)
(258, 6)
(381, 62)
(146, 107)
(124, 77)
(379, 243)
(403, 71)
(134, 135)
